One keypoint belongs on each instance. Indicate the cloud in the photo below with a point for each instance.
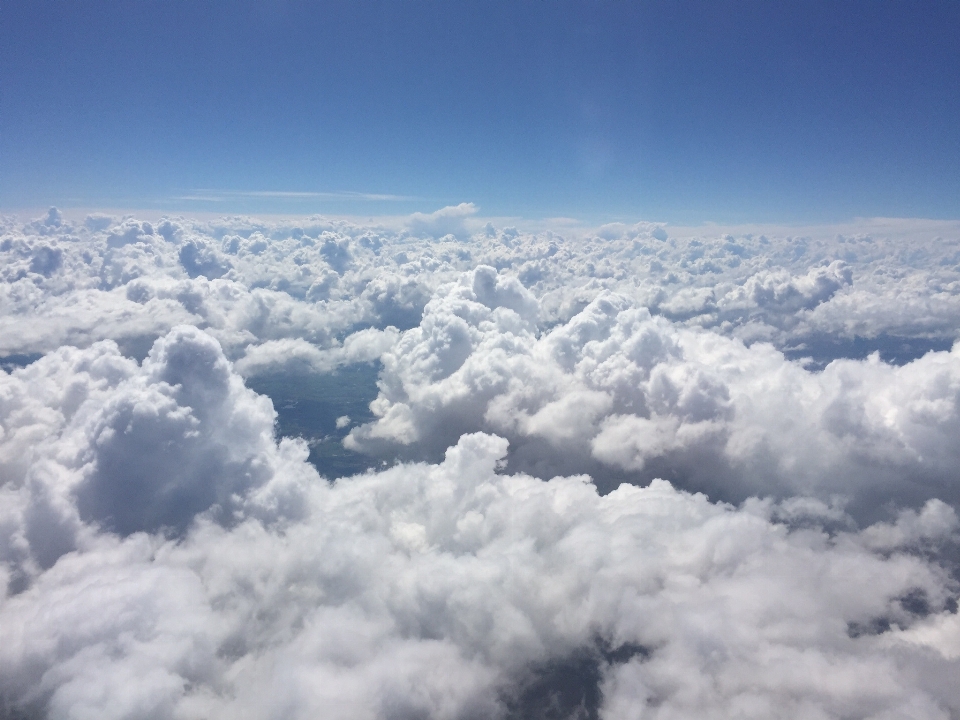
(134, 447)
(616, 390)
(607, 490)
(221, 195)
(67, 282)
(449, 220)
(184, 438)
(298, 356)
(292, 293)
(442, 590)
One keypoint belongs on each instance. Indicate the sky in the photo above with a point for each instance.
(674, 112)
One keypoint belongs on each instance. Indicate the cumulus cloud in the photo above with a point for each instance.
(445, 221)
(611, 485)
(91, 438)
(443, 590)
(248, 282)
(617, 391)
(295, 355)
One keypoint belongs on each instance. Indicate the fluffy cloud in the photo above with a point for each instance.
(443, 222)
(616, 390)
(444, 590)
(295, 355)
(614, 493)
(248, 282)
(92, 440)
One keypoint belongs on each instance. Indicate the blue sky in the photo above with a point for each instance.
(674, 111)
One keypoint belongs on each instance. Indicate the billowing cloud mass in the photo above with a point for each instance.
(626, 472)
(618, 392)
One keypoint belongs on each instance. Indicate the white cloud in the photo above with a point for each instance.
(163, 555)
(295, 355)
(445, 221)
(444, 590)
(617, 390)
(75, 283)
(219, 195)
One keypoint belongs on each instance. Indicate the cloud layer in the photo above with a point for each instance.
(248, 282)
(444, 590)
(612, 493)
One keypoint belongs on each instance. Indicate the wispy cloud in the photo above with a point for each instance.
(207, 195)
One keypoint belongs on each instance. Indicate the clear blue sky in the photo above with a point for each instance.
(675, 111)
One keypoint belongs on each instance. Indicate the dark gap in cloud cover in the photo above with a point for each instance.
(568, 688)
(820, 351)
(10, 362)
(308, 406)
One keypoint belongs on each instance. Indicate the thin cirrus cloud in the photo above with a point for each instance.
(206, 195)
(621, 470)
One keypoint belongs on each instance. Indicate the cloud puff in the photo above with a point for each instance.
(92, 440)
(445, 221)
(295, 355)
(444, 590)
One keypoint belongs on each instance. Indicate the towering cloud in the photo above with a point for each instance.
(620, 393)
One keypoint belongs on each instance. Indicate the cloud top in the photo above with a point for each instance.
(610, 484)
(442, 590)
